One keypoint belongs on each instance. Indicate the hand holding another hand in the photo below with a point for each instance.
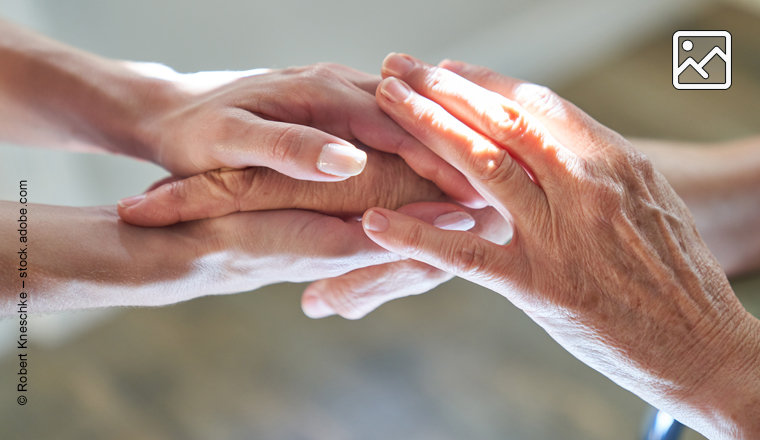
(295, 121)
(604, 255)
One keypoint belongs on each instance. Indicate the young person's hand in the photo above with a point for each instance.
(294, 121)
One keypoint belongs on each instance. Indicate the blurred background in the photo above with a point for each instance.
(457, 363)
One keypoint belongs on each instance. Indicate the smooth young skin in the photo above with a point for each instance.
(83, 258)
(604, 255)
(288, 120)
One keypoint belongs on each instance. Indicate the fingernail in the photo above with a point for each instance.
(376, 222)
(397, 65)
(315, 308)
(455, 221)
(395, 90)
(341, 160)
(131, 201)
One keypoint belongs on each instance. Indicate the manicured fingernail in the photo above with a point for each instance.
(315, 308)
(131, 201)
(376, 222)
(397, 65)
(455, 221)
(341, 160)
(395, 90)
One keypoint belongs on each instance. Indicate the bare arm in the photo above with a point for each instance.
(721, 187)
(58, 96)
(295, 121)
(76, 258)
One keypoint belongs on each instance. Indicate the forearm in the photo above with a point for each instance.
(720, 392)
(79, 258)
(721, 187)
(58, 96)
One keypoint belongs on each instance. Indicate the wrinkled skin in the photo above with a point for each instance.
(605, 256)
(280, 119)
(386, 181)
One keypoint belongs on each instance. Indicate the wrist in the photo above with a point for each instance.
(735, 386)
(723, 401)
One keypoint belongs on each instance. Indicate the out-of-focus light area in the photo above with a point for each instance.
(545, 41)
(459, 362)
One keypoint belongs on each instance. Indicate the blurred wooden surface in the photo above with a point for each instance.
(457, 363)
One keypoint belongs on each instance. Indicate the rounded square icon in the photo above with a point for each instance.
(702, 60)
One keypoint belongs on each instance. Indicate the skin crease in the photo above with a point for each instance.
(386, 181)
(605, 256)
(89, 258)
(57, 96)
(719, 184)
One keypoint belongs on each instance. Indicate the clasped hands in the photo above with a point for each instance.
(498, 181)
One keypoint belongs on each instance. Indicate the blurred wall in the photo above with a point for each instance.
(546, 41)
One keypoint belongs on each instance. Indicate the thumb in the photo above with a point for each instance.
(296, 151)
(460, 253)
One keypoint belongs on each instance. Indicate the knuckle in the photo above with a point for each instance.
(411, 239)
(512, 126)
(539, 99)
(435, 78)
(227, 185)
(491, 166)
(324, 72)
(287, 145)
(346, 302)
(466, 257)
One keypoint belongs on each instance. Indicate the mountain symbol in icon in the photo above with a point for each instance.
(699, 67)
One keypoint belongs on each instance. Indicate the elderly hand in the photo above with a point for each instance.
(294, 121)
(604, 255)
(386, 181)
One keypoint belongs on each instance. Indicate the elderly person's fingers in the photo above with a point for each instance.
(499, 177)
(500, 119)
(607, 260)
(387, 181)
(357, 293)
(562, 118)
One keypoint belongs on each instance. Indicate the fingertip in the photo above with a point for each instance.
(341, 161)
(454, 221)
(131, 201)
(475, 203)
(313, 306)
(396, 64)
(395, 90)
(374, 221)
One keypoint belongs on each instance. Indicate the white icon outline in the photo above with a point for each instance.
(698, 66)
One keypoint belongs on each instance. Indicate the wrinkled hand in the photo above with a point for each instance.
(244, 251)
(604, 255)
(361, 291)
(295, 121)
(387, 181)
